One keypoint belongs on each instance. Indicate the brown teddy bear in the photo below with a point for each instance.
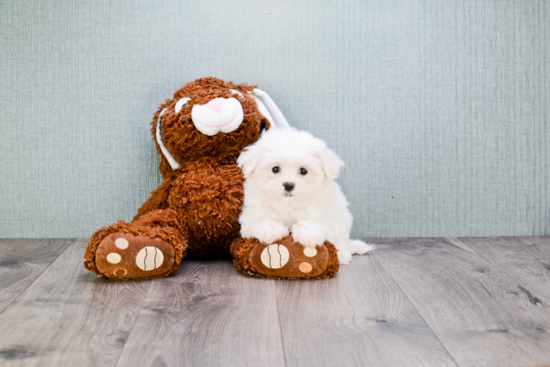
(199, 133)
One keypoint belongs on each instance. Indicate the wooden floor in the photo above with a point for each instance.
(414, 302)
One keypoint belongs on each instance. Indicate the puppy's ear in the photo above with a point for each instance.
(331, 163)
(249, 159)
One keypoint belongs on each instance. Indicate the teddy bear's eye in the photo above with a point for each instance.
(276, 169)
(181, 103)
(236, 92)
(303, 171)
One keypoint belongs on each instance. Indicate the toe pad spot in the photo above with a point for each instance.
(310, 251)
(305, 267)
(114, 258)
(121, 243)
(120, 272)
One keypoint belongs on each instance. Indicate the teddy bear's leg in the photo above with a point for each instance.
(151, 246)
(284, 259)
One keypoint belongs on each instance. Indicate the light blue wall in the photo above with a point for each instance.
(439, 108)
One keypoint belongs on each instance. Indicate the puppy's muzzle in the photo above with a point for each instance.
(289, 186)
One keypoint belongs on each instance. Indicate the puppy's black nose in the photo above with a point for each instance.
(289, 186)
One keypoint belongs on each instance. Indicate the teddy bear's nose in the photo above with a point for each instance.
(216, 104)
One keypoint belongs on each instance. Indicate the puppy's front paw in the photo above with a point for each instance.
(270, 231)
(309, 233)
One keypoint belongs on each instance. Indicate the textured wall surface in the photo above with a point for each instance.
(439, 108)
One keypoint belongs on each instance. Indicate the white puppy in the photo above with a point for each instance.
(290, 188)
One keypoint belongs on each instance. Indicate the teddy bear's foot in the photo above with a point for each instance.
(147, 248)
(285, 259)
(126, 256)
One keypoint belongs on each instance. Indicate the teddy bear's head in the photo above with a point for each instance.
(209, 117)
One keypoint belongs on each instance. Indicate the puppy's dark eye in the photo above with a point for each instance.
(276, 169)
(303, 171)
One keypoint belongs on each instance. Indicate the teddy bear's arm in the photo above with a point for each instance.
(158, 200)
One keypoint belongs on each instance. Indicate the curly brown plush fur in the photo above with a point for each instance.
(196, 208)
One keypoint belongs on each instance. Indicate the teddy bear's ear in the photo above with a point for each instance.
(169, 157)
(269, 109)
(250, 158)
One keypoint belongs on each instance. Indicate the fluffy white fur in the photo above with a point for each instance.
(315, 210)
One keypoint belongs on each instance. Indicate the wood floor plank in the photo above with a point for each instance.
(69, 317)
(358, 318)
(472, 305)
(539, 247)
(207, 315)
(22, 261)
(514, 256)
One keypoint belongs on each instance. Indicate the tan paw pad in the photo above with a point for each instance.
(305, 267)
(121, 243)
(310, 251)
(275, 256)
(114, 258)
(149, 258)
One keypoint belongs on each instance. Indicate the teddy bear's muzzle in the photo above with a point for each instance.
(218, 115)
